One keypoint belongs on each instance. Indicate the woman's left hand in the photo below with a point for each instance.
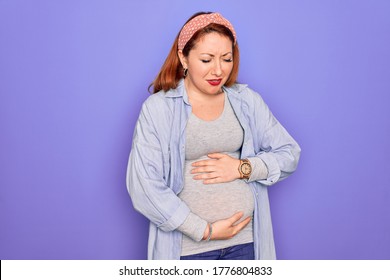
(220, 168)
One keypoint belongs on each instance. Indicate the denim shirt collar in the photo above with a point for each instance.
(179, 91)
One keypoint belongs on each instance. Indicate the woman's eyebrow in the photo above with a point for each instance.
(214, 55)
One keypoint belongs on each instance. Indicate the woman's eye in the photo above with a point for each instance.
(205, 61)
(229, 60)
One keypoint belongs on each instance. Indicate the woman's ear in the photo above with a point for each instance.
(183, 59)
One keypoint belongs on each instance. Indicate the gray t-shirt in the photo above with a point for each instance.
(209, 203)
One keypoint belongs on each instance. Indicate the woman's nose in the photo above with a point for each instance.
(217, 69)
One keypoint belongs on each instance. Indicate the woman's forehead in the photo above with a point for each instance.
(213, 42)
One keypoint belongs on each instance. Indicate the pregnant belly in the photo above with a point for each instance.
(217, 201)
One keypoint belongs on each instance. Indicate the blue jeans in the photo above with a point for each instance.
(238, 252)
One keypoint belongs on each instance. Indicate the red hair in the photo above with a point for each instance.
(172, 71)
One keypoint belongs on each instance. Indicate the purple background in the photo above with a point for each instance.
(73, 75)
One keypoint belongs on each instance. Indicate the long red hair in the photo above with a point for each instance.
(172, 71)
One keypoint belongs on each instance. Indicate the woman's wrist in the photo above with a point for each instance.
(237, 170)
(245, 169)
(208, 232)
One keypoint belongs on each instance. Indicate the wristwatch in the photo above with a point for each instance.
(245, 168)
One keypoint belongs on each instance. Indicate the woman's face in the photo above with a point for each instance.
(209, 64)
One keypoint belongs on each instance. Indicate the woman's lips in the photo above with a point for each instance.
(215, 82)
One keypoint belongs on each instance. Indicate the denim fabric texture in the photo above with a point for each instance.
(238, 252)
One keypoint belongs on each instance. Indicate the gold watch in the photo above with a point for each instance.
(245, 168)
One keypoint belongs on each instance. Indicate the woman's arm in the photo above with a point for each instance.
(273, 145)
(146, 184)
(276, 152)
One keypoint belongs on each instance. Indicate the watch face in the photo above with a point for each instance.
(246, 168)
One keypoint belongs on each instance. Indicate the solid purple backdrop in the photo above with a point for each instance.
(73, 75)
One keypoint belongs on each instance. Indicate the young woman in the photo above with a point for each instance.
(204, 151)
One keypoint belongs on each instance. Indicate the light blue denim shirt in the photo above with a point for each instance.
(156, 164)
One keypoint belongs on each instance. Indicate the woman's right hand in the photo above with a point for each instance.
(227, 228)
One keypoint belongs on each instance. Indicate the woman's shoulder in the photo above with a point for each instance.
(160, 103)
(158, 99)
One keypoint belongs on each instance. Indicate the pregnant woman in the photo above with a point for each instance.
(205, 149)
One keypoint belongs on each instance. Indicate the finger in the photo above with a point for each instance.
(205, 176)
(212, 181)
(243, 223)
(216, 155)
(205, 162)
(203, 169)
(237, 228)
(236, 217)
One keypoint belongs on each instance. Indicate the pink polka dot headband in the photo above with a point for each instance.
(200, 22)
